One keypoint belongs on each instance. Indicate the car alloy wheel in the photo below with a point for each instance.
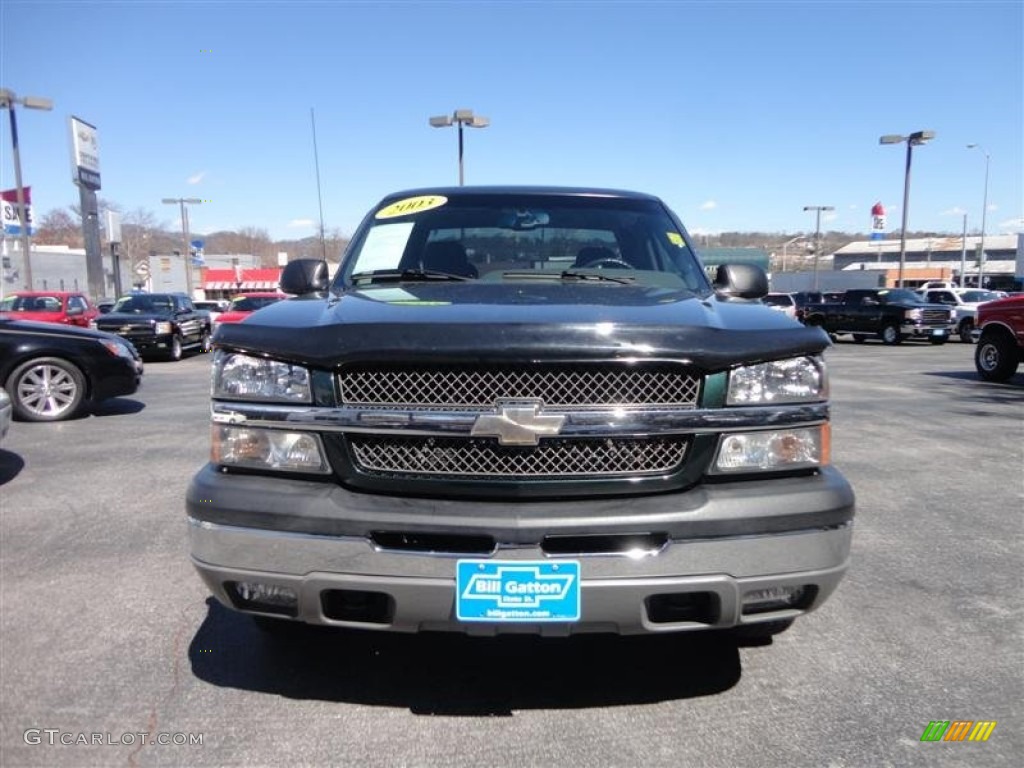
(47, 389)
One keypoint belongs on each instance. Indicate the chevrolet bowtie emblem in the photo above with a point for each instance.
(521, 424)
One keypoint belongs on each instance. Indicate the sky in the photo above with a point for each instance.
(736, 114)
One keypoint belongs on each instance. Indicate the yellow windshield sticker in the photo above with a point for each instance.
(675, 238)
(411, 205)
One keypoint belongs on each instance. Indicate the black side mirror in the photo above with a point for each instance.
(741, 281)
(304, 276)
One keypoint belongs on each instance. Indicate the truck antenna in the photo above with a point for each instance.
(320, 199)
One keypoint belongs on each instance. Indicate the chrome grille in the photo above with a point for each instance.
(483, 458)
(567, 388)
(935, 316)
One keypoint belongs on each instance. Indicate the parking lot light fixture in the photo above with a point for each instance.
(918, 137)
(984, 209)
(7, 101)
(460, 117)
(817, 235)
(183, 201)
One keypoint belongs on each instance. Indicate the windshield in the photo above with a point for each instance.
(252, 303)
(899, 296)
(30, 304)
(141, 304)
(978, 297)
(495, 237)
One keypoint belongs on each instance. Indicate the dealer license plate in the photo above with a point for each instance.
(938, 332)
(508, 591)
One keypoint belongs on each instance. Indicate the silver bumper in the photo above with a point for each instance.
(614, 588)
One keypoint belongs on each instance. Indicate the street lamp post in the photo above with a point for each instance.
(918, 137)
(460, 117)
(183, 201)
(817, 235)
(7, 100)
(984, 210)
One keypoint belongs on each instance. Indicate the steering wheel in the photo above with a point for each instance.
(608, 261)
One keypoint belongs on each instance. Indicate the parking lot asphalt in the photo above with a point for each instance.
(105, 629)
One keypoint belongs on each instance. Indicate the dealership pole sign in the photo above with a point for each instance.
(85, 154)
(877, 221)
(10, 211)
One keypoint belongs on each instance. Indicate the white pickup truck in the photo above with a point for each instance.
(965, 302)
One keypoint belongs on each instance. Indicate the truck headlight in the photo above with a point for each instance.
(244, 377)
(773, 450)
(256, 448)
(795, 380)
(912, 314)
(163, 329)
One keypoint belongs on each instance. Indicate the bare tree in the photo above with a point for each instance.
(59, 227)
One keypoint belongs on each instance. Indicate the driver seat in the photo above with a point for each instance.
(591, 253)
(448, 256)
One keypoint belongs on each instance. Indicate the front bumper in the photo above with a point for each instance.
(919, 330)
(722, 541)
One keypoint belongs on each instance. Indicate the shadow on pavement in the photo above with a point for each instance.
(451, 674)
(11, 465)
(118, 406)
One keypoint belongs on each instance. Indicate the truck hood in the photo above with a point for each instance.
(123, 318)
(510, 322)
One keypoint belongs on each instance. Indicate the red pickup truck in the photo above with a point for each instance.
(1001, 345)
(67, 307)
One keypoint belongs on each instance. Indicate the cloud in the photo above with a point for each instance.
(301, 224)
(196, 177)
(710, 205)
(1012, 225)
(956, 210)
(829, 216)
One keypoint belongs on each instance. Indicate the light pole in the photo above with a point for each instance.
(460, 117)
(918, 137)
(7, 100)
(785, 247)
(817, 235)
(183, 201)
(984, 210)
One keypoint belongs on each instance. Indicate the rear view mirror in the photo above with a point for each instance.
(741, 281)
(304, 276)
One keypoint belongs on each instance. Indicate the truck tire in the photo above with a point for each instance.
(890, 334)
(206, 341)
(996, 357)
(46, 389)
(174, 353)
(964, 330)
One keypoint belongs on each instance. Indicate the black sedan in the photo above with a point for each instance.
(53, 372)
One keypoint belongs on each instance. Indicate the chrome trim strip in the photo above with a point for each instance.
(599, 423)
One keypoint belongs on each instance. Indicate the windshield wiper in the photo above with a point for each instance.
(568, 275)
(406, 275)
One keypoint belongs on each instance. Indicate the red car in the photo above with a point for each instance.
(245, 304)
(67, 307)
